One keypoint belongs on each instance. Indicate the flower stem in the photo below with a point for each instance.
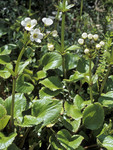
(29, 7)
(12, 104)
(104, 81)
(81, 8)
(90, 81)
(62, 41)
(14, 85)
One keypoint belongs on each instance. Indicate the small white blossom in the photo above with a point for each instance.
(102, 43)
(90, 36)
(81, 41)
(84, 35)
(36, 35)
(54, 33)
(28, 23)
(86, 51)
(98, 46)
(48, 32)
(50, 47)
(47, 21)
(95, 37)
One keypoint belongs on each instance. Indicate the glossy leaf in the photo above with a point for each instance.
(45, 92)
(51, 61)
(47, 110)
(53, 83)
(3, 121)
(4, 50)
(3, 111)
(72, 111)
(67, 141)
(20, 105)
(4, 59)
(41, 74)
(73, 47)
(93, 116)
(22, 86)
(6, 141)
(106, 99)
(78, 102)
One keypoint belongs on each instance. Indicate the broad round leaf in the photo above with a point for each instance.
(53, 83)
(93, 116)
(3, 121)
(78, 102)
(3, 111)
(5, 50)
(107, 99)
(20, 105)
(22, 86)
(106, 141)
(47, 110)
(45, 92)
(68, 141)
(4, 59)
(6, 141)
(72, 111)
(51, 61)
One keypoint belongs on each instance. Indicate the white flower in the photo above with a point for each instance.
(98, 46)
(86, 51)
(28, 23)
(50, 47)
(36, 35)
(102, 43)
(47, 21)
(95, 37)
(48, 32)
(81, 41)
(54, 33)
(84, 35)
(90, 36)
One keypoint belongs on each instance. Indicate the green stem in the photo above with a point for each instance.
(14, 85)
(81, 8)
(62, 32)
(104, 81)
(90, 81)
(29, 7)
(12, 105)
(63, 66)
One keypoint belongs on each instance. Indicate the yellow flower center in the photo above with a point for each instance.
(29, 25)
(35, 35)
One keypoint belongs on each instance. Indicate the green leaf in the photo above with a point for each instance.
(28, 121)
(6, 141)
(22, 86)
(20, 105)
(47, 110)
(71, 125)
(106, 99)
(22, 65)
(78, 102)
(3, 111)
(51, 61)
(41, 74)
(3, 121)
(106, 141)
(93, 116)
(45, 92)
(53, 83)
(109, 84)
(4, 59)
(5, 71)
(73, 47)
(67, 141)
(72, 111)
(4, 50)
(13, 147)
(83, 65)
(71, 60)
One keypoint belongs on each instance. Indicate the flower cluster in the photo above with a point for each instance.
(35, 34)
(92, 40)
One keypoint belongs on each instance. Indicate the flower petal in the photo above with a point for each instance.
(27, 19)
(33, 22)
(40, 36)
(31, 38)
(38, 40)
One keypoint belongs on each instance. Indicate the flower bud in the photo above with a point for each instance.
(50, 47)
(95, 37)
(81, 41)
(84, 35)
(90, 36)
(102, 43)
(86, 51)
(98, 46)
(54, 33)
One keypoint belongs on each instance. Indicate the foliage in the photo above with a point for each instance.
(56, 82)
